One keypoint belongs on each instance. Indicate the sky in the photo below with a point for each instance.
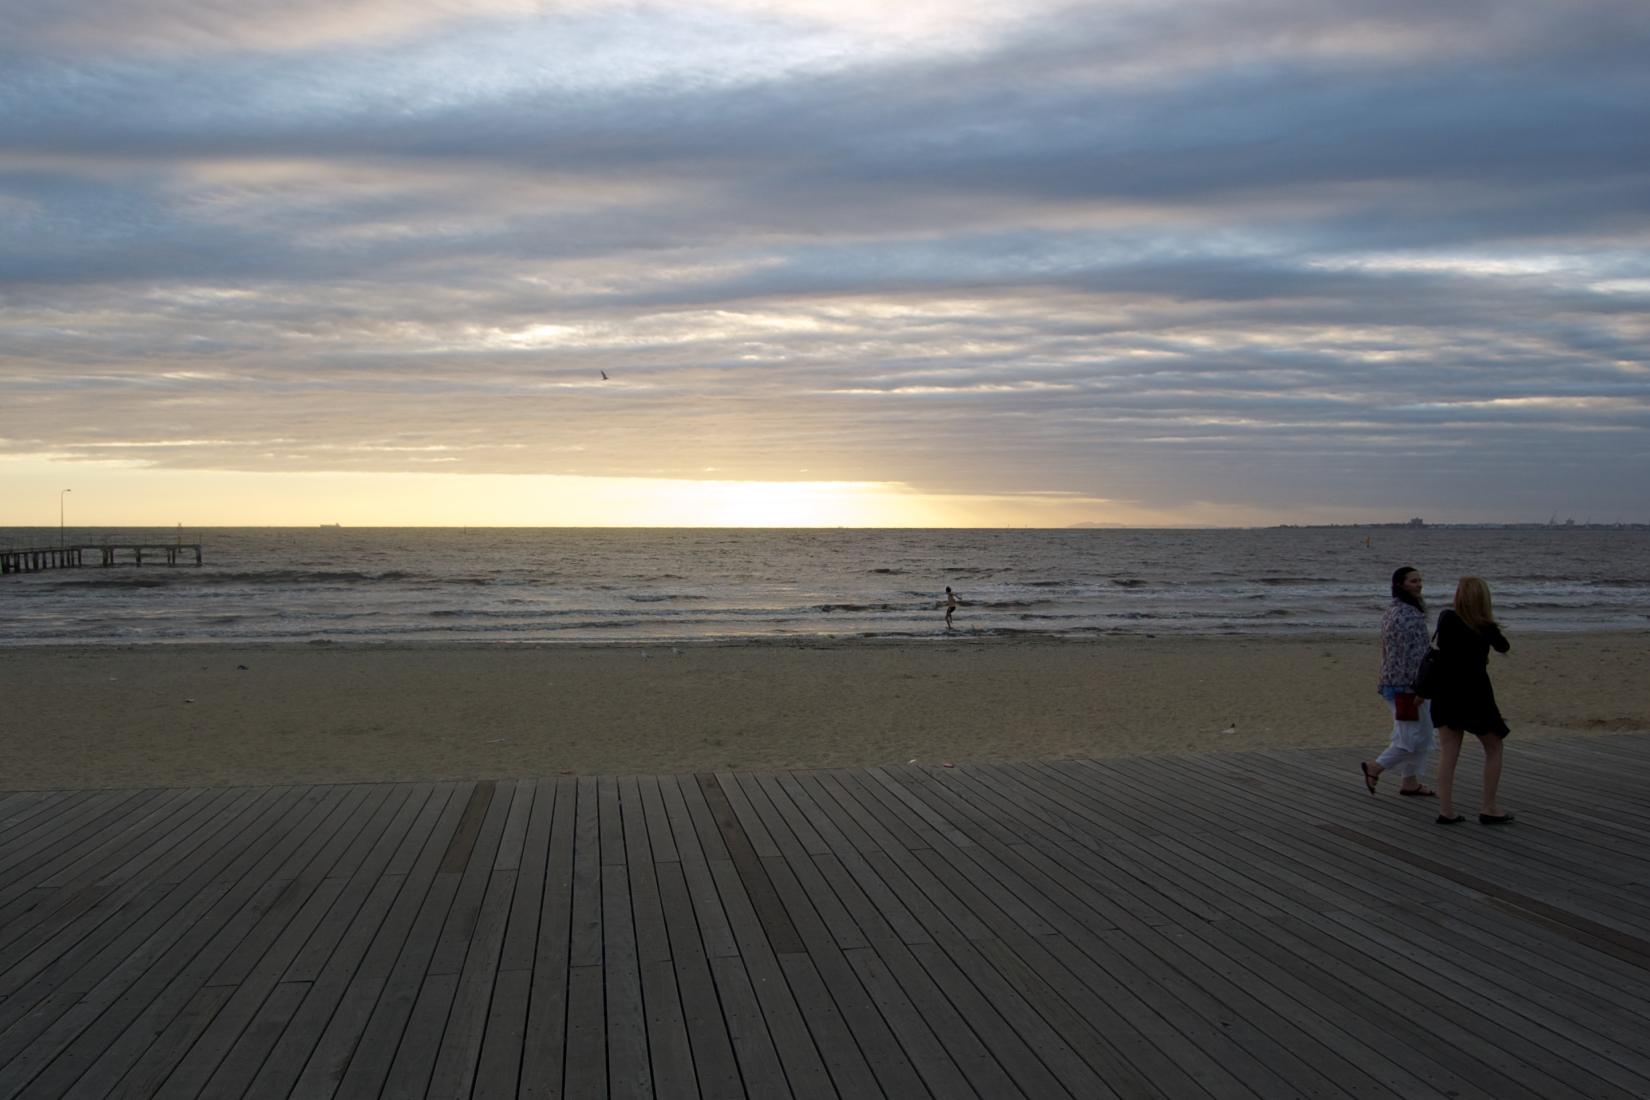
(842, 262)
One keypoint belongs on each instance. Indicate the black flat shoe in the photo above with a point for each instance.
(1495, 819)
(1456, 820)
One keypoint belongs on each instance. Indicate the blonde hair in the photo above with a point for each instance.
(1472, 603)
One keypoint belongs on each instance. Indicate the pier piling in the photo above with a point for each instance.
(40, 559)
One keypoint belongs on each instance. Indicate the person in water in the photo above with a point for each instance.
(950, 605)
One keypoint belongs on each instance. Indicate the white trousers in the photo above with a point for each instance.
(1411, 742)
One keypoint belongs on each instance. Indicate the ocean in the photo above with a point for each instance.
(678, 585)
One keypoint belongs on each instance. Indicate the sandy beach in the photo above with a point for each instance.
(216, 715)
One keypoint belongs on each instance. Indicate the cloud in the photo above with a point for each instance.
(1278, 251)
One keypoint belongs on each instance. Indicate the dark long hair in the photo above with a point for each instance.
(1399, 592)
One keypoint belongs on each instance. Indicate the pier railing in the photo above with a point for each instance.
(38, 559)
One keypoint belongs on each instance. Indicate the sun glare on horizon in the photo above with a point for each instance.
(120, 494)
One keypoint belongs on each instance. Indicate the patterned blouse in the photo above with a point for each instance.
(1403, 643)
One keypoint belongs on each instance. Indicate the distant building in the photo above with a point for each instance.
(1417, 521)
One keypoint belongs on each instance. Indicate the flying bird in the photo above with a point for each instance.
(604, 376)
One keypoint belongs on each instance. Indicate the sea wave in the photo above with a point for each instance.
(634, 586)
(128, 576)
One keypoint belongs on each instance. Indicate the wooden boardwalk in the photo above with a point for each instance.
(1179, 926)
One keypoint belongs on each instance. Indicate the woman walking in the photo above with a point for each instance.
(1403, 644)
(1465, 702)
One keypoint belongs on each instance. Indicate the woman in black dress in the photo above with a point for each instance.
(1465, 702)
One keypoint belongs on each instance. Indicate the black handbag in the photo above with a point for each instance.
(1429, 677)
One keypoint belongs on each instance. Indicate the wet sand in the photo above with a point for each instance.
(217, 715)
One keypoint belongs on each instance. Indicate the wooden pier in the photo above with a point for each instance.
(1228, 926)
(39, 559)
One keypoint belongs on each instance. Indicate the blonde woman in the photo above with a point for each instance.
(1465, 702)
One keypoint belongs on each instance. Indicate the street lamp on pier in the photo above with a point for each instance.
(60, 519)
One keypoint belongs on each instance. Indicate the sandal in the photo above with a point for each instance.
(1369, 780)
(1418, 792)
(1456, 820)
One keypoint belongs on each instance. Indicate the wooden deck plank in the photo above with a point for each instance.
(1542, 852)
(62, 833)
(914, 1004)
(699, 843)
(586, 946)
(1034, 1055)
(630, 1072)
(885, 907)
(359, 1045)
(514, 838)
(665, 1024)
(1520, 859)
(661, 841)
(828, 932)
(97, 1055)
(1556, 1006)
(1074, 906)
(1376, 914)
(726, 1019)
(33, 911)
(1302, 947)
(408, 1072)
(1304, 1081)
(968, 874)
(933, 904)
(403, 822)
(504, 1032)
(20, 807)
(805, 1073)
(1482, 1028)
(709, 1042)
(431, 1042)
(1540, 1025)
(459, 1059)
(73, 839)
(585, 1058)
(521, 935)
(253, 967)
(943, 1047)
(543, 1054)
(1388, 1025)
(476, 861)
(329, 961)
(586, 1044)
(1220, 925)
(704, 835)
(58, 941)
(1033, 993)
(1179, 1042)
(498, 1074)
(1357, 886)
(816, 912)
(161, 915)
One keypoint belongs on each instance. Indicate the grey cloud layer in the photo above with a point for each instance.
(1289, 254)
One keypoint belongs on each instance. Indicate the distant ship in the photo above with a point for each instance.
(332, 525)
